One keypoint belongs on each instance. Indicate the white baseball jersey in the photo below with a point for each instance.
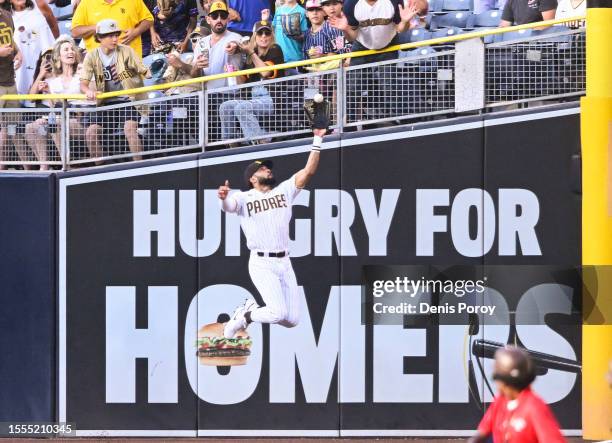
(265, 216)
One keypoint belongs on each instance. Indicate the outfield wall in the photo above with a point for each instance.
(145, 257)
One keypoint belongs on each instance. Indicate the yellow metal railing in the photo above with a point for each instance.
(309, 62)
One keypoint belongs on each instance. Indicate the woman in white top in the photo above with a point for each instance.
(32, 35)
(63, 79)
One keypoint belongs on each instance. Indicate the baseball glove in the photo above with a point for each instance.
(317, 113)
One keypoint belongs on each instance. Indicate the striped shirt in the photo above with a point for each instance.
(328, 40)
(265, 217)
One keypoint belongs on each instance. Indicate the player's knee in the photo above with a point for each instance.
(275, 316)
(290, 322)
(243, 108)
(226, 107)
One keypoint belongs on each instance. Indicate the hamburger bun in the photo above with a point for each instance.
(215, 350)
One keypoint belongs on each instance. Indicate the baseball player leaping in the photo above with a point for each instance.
(265, 213)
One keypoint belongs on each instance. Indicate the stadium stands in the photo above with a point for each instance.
(520, 65)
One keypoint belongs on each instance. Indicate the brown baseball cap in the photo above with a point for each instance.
(253, 168)
(263, 24)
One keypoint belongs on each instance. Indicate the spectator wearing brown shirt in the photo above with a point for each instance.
(10, 59)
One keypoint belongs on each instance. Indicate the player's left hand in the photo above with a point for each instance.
(223, 190)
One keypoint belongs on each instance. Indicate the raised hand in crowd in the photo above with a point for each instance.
(234, 15)
(265, 15)
(245, 47)
(408, 11)
(40, 84)
(231, 48)
(340, 23)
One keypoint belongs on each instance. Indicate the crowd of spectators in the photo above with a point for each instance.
(192, 38)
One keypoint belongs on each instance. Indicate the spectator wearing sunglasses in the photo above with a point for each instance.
(261, 51)
(219, 51)
(183, 65)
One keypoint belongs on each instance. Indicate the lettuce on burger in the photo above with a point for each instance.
(216, 350)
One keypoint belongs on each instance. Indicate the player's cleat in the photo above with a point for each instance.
(237, 321)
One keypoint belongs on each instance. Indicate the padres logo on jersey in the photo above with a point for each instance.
(265, 204)
(6, 34)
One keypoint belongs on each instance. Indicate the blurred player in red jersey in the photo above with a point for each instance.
(517, 415)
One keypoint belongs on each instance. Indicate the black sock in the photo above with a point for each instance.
(247, 317)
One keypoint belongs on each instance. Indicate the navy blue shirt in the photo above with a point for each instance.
(329, 40)
(250, 12)
(174, 28)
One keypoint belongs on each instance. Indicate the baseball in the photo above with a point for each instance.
(318, 98)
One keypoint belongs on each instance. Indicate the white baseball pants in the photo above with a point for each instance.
(275, 280)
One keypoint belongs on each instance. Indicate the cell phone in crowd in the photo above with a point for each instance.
(47, 62)
(204, 48)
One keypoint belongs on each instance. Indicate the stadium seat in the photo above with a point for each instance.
(459, 19)
(514, 35)
(487, 19)
(457, 5)
(446, 32)
(418, 34)
(487, 38)
(559, 60)
(64, 27)
(435, 5)
(63, 13)
(504, 71)
(563, 37)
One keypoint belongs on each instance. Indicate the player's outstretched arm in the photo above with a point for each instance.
(303, 176)
(228, 203)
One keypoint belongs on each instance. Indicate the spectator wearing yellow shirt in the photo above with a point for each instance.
(131, 15)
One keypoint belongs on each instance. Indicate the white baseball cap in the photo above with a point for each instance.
(311, 4)
(107, 26)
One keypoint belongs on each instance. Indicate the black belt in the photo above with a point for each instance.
(272, 254)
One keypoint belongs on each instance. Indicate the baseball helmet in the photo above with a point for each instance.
(252, 169)
(514, 367)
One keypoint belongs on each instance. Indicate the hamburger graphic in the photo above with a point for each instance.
(216, 350)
